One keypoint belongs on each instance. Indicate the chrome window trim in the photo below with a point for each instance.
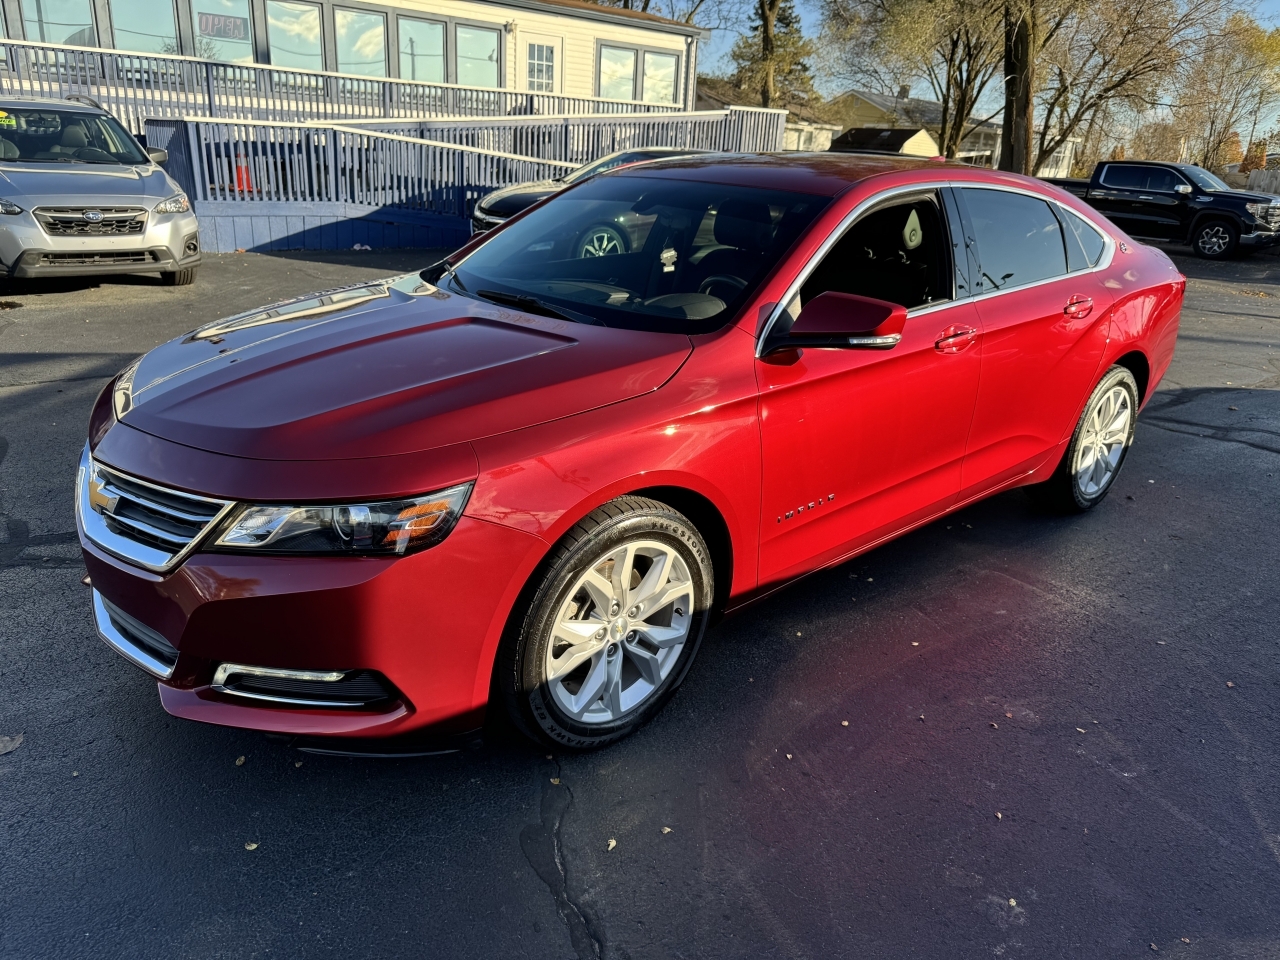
(793, 289)
(122, 645)
(149, 558)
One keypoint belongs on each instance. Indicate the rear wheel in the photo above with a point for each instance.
(1215, 239)
(602, 240)
(1098, 447)
(613, 627)
(179, 278)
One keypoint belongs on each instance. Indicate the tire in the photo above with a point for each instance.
(602, 240)
(179, 278)
(1215, 240)
(1088, 469)
(624, 669)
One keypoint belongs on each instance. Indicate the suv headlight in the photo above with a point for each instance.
(9, 207)
(175, 204)
(1261, 211)
(390, 528)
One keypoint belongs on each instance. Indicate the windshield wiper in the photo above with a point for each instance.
(536, 306)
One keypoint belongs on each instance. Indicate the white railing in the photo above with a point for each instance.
(583, 138)
(135, 86)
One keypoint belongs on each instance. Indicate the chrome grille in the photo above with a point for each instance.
(144, 523)
(70, 221)
(97, 259)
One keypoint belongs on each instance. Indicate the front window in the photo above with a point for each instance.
(63, 136)
(60, 21)
(147, 26)
(293, 35)
(640, 253)
(421, 50)
(222, 30)
(477, 57)
(1203, 179)
(659, 78)
(362, 43)
(542, 68)
(617, 73)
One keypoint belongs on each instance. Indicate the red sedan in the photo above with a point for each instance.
(533, 477)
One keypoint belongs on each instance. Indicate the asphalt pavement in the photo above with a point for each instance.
(1005, 735)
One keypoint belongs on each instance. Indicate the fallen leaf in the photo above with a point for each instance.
(915, 643)
(1080, 730)
(1008, 716)
(556, 781)
(10, 744)
(1230, 684)
(297, 763)
(251, 846)
(869, 579)
(1154, 947)
(1185, 940)
(844, 723)
(797, 633)
(788, 756)
(994, 725)
(239, 249)
(922, 716)
(666, 829)
(999, 815)
(1233, 408)
(612, 843)
(239, 761)
(1013, 902)
(549, 756)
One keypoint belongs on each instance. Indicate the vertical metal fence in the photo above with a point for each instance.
(136, 86)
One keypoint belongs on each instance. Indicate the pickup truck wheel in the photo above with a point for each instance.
(1215, 239)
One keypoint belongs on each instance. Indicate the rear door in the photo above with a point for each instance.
(1116, 195)
(1163, 211)
(1044, 320)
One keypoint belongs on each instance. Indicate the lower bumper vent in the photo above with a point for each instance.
(344, 689)
(133, 639)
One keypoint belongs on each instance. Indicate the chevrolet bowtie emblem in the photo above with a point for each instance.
(99, 501)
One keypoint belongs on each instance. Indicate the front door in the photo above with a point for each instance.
(856, 443)
(1044, 321)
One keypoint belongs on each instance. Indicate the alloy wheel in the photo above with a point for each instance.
(1214, 240)
(1102, 442)
(601, 241)
(619, 631)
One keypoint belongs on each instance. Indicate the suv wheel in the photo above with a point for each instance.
(617, 618)
(1215, 239)
(179, 278)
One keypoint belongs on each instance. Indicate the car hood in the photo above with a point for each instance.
(382, 369)
(62, 184)
(1247, 196)
(509, 201)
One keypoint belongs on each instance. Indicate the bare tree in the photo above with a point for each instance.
(952, 45)
(773, 57)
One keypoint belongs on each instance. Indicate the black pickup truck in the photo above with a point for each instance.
(1179, 203)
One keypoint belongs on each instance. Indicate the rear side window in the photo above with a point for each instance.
(1084, 243)
(1019, 239)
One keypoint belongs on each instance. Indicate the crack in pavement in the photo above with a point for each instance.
(542, 847)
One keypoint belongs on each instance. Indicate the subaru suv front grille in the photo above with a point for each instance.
(91, 221)
(144, 523)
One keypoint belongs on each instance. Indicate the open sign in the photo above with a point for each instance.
(221, 27)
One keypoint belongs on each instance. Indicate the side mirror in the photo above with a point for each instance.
(1182, 188)
(157, 155)
(845, 320)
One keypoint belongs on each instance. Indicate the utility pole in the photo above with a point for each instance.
(1017, 134)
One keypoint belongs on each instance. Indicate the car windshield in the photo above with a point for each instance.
(640, 253)
(1203, 179)
(65, 136)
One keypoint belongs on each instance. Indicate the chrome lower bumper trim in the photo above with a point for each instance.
(122, 645)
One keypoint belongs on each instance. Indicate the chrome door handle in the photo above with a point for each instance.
(955, 339)
(1146, 198)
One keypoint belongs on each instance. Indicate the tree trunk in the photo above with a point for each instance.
(1017, 134)
(768, 20)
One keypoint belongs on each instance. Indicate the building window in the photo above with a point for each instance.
(542, 68)
(147, 26)
(659, 78)
(477, 56)
(222, 30)
(617, 73)
(293, 35)
(60, 21)
(421, 50)
(361, 42)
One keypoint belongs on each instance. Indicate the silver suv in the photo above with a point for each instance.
(78, 195)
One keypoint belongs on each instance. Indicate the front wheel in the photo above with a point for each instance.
(602, 240)
(613, 627)
(1215, 240)
(1098, 447)
(179, 278)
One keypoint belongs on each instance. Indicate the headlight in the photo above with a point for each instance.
(392, 528)
(9, 207)
(178, 204)
(1260, 210)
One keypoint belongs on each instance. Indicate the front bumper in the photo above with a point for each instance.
(1261, 237)
(168, 242)
(429, 623)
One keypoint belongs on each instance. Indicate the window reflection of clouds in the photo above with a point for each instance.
(362, 47)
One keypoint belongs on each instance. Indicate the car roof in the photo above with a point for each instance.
(825, 174)
(46, 103)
